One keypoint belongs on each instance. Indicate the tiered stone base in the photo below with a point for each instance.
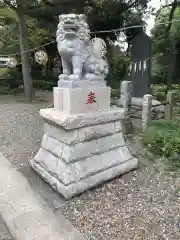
(79, 152)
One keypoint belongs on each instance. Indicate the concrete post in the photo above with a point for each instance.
(169, 106)
(146, 111)
(126, 95)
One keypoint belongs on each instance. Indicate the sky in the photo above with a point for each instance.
(155, 4)
(150, 21)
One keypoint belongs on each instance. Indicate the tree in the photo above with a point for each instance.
(102, 15)
(9, 38)
(160, 47)
(22, 7)
(172, 57)
(166, 41)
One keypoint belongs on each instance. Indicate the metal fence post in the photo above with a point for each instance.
(146, 111)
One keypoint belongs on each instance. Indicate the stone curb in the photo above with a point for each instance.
(26, 213)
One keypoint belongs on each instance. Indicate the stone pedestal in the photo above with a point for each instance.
(81, 100)
(83, 144)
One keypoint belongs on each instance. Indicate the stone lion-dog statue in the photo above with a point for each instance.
(82, 59)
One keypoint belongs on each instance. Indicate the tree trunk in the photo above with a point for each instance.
(172, 56)
(23, 34)
(171, 65)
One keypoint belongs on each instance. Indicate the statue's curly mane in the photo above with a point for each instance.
(83, 31)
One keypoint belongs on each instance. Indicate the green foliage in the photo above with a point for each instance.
(162, 47)
(162, 138)
(175, 28)
(9, 37)
(7, 16)
(115, 93)
(3, 72)
(159, 91)
(102, 14)
(7, 34)
(118, 63)
(44, 85)
(42, 19)
(13, 83)
(35, 33)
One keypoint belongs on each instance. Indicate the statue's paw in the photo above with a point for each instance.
(63, 77)
(89, 76)
(74, 77)
(93, 77)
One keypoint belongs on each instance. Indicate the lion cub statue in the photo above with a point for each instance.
(82, 59)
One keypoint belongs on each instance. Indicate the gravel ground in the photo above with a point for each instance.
(143, 204)
(21, 127)
(138, 206)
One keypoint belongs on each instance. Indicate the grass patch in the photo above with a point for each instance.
(163, 139)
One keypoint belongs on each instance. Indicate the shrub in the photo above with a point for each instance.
(115, 93)
(163, 139)
(159, 91)
(44, 85)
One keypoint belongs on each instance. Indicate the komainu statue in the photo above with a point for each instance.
(82, 59)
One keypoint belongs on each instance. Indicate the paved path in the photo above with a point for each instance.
(26, 213)
(4, 231)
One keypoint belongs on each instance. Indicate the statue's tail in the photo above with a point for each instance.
(99, 47)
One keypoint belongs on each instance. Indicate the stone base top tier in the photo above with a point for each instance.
(81, 151)
(81, 100)
(71, 121)
(81, 84)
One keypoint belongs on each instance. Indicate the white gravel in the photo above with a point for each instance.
(21, 127)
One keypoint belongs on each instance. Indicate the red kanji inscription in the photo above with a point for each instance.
(91, 98)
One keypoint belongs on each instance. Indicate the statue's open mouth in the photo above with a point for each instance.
(70, 26)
